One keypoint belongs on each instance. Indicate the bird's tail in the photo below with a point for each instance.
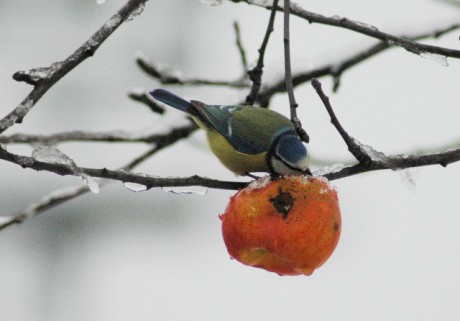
(172, 100)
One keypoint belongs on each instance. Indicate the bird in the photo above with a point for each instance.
(246, 139)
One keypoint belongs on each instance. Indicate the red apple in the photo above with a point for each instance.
(290, 225)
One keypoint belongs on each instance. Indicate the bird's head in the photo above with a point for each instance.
(288, 155)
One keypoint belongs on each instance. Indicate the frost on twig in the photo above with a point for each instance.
(44, 78)
(37, 75)
(169, 75)
(370, 159)
(53, 155)
(47, 202)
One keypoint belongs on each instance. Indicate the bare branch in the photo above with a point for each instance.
(61, 196)
(44, 78)
(288, 75)
(168, 76)
(370, 159)
(397, 162)
(239, 45)
(336, 69)
(365, 29)
(120, 175)
(143, 96)
(45, 203)
(255, 74)
(353, 147)
(112, 136)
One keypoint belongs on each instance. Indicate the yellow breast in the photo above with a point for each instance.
(235, 161)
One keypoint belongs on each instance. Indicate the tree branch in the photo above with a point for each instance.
(61, 196)
(288, 74)
(336, 69)
(255, 74)
(111, 137)
(354, 148)
(167, 75)
(44, 78)
(365, 29)
(119, 175)
(370, 159)
(239, 45)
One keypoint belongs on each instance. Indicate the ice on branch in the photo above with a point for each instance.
(211, 2)
(439, 59)
(34, 76)
(6, 220)
(166, 73)
(136, 12)
(259, 183)
(199, 190)
(262, 3)
(135, 187)
(329, 170)
(376, 156)
(408, 179)
(48, 154)
(93, 185)
(52, 155)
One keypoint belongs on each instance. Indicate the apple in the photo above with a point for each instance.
(290, 225)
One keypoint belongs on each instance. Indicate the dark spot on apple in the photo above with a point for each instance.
(336, 226)
(283, 203)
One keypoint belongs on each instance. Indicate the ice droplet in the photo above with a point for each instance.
(134, 187)
(408, 179)
(439, 59)
(100, 1)
(211, 2)
(199, 190)
(52, 155)
(4, 220)
(91, 182)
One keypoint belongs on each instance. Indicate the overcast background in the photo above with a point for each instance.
(120, 255)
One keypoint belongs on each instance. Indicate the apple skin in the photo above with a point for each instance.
(289, 226)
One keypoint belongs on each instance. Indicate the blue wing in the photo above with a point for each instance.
(250, 130)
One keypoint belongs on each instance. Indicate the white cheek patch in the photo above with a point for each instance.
(282, 168)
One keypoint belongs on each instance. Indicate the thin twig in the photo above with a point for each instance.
(143, 96)
(370, 159)
(166, 75)
(255, 74)
(353, 147)
(288, 75)
(61, 196)
(44, 78)
(86, 136)
(239, 45)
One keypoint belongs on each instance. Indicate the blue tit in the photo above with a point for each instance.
(246, 139)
